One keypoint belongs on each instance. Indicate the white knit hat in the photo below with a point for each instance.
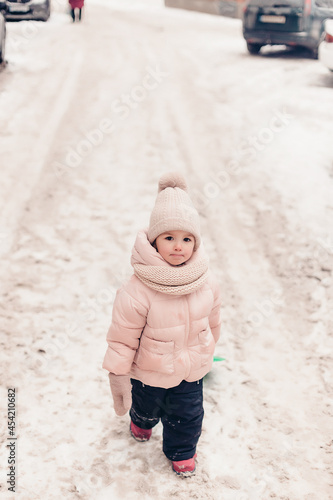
(173, 209)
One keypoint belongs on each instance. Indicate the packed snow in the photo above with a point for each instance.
(91, 115)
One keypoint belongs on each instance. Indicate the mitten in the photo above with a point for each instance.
(121, 390)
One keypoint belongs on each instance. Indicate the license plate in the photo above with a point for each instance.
(18, 8)
(273, 19)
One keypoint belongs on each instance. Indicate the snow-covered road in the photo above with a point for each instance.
(90, 116)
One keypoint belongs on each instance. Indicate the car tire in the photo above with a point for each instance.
(253, 48)
(47, 15)
(314, 53)
(45, 18)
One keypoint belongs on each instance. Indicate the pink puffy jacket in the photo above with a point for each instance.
(162, 339)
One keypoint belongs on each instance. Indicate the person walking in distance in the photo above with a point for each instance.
(165, 325)
(76, 9)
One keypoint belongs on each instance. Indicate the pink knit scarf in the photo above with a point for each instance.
(179, 280)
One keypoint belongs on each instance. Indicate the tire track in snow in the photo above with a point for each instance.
(10, 211)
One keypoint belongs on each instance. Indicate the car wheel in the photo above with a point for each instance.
(47, 14)
(254, 48)
(314, 53)
(45, 18)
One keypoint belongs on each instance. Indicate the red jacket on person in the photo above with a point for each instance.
(76, 4)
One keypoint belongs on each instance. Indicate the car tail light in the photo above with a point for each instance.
(307, 7)
(328, 38)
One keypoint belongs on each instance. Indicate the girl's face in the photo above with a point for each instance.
(176, 247)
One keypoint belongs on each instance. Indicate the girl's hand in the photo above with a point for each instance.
(121, 390)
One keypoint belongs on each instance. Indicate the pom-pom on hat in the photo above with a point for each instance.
(173, 209)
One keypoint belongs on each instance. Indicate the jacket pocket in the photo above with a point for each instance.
(207, 346)
(155, 355)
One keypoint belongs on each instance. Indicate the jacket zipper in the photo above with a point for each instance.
(187, 332)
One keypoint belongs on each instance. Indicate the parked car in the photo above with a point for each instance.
(38, 10)
(295, 23)
(326, 46)
(2, 31)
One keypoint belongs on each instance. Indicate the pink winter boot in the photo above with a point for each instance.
(185, 468)
(140, 434)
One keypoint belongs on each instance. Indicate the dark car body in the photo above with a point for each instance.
(38, 10)
(2, 31)
(280, 22)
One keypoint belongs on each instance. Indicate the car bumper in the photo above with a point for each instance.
(280, 38)
(35, 11)
(326, 54)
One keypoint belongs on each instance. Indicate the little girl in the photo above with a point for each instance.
(165, 324)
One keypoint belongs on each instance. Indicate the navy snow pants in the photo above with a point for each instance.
(180, 409)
